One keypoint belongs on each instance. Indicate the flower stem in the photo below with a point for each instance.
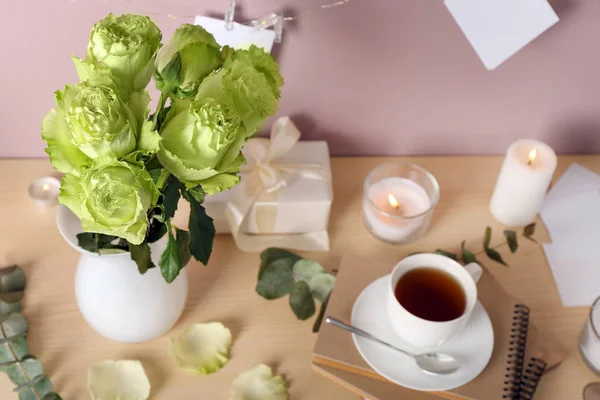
(162, 179)
(159, 107)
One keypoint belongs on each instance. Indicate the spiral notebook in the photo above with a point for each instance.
(520, 357)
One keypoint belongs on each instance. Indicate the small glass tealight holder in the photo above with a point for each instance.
(44, 191)
(398, 202)
(589, 341)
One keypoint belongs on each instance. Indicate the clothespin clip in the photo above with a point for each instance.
(270, 20)
(230, 14)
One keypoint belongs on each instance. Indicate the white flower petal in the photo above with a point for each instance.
(258, 383)
(118, 380)
(202, 348)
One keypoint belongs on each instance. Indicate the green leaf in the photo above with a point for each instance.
(271, 254)
(529, 231)
(321, 286)
(306, 269)
(94, 242)
(171, 197)
(467, 256)
(197, 193)
(511, 239)
(162, 115)
(494, 255)
(172, 72)
(202, 230)
(170, 263)
(141, 255)
(156, 231)
(52, 396)
(155, 174)
(447, 254)
(277, 279)
(487, 238)
(321, 315)
(183, 244)
(301, 301)
(14, 328)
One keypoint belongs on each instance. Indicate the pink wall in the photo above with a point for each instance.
(371, 77)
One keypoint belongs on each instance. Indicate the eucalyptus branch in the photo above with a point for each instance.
(23, 369)
(282, 272)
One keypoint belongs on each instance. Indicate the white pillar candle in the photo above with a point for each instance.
(396, 209)
(523, 181)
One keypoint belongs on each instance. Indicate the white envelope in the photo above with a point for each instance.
(576, 270)
(497, 29)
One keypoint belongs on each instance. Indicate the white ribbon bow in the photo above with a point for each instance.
(262, 155)
(266, 175)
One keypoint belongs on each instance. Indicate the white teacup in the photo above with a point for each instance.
(421, 333)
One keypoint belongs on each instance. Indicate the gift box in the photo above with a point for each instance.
(285, 195)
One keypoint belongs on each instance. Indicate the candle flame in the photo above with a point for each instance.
(393, 202)
(532, 155)
(46, 187)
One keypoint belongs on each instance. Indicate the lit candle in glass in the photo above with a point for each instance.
(44, 191)
(398, 202)
(523, 181)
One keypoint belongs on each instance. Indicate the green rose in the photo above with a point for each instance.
(190, 55)
(250, 81)
(123, 47)
(112, 197)
(91, 122)
(201, 143)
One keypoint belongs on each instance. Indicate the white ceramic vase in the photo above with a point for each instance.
(115, 299)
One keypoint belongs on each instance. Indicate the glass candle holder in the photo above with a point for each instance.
(398, 202)
(589, 341)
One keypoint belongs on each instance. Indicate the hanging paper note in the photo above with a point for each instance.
(497, 29)
(240, 37)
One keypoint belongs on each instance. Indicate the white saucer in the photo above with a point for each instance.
(472, 347)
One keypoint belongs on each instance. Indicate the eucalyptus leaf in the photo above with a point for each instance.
(170, 263)
(494, 255)
(319, 320)
(487, 238)
(321, 286)
(306, 269)
(142, 257)
(301, 301)
(528, 232)
(22, 372)
(37, 389)
(12, 287)
(467, 256)
(171, 197)
(13, 326)
(511, 239)
(273, 253)
(277, 279)
(52, 396)
(446, 254)
(202, 230)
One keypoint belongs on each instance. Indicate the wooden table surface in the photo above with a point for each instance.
(266, 331)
